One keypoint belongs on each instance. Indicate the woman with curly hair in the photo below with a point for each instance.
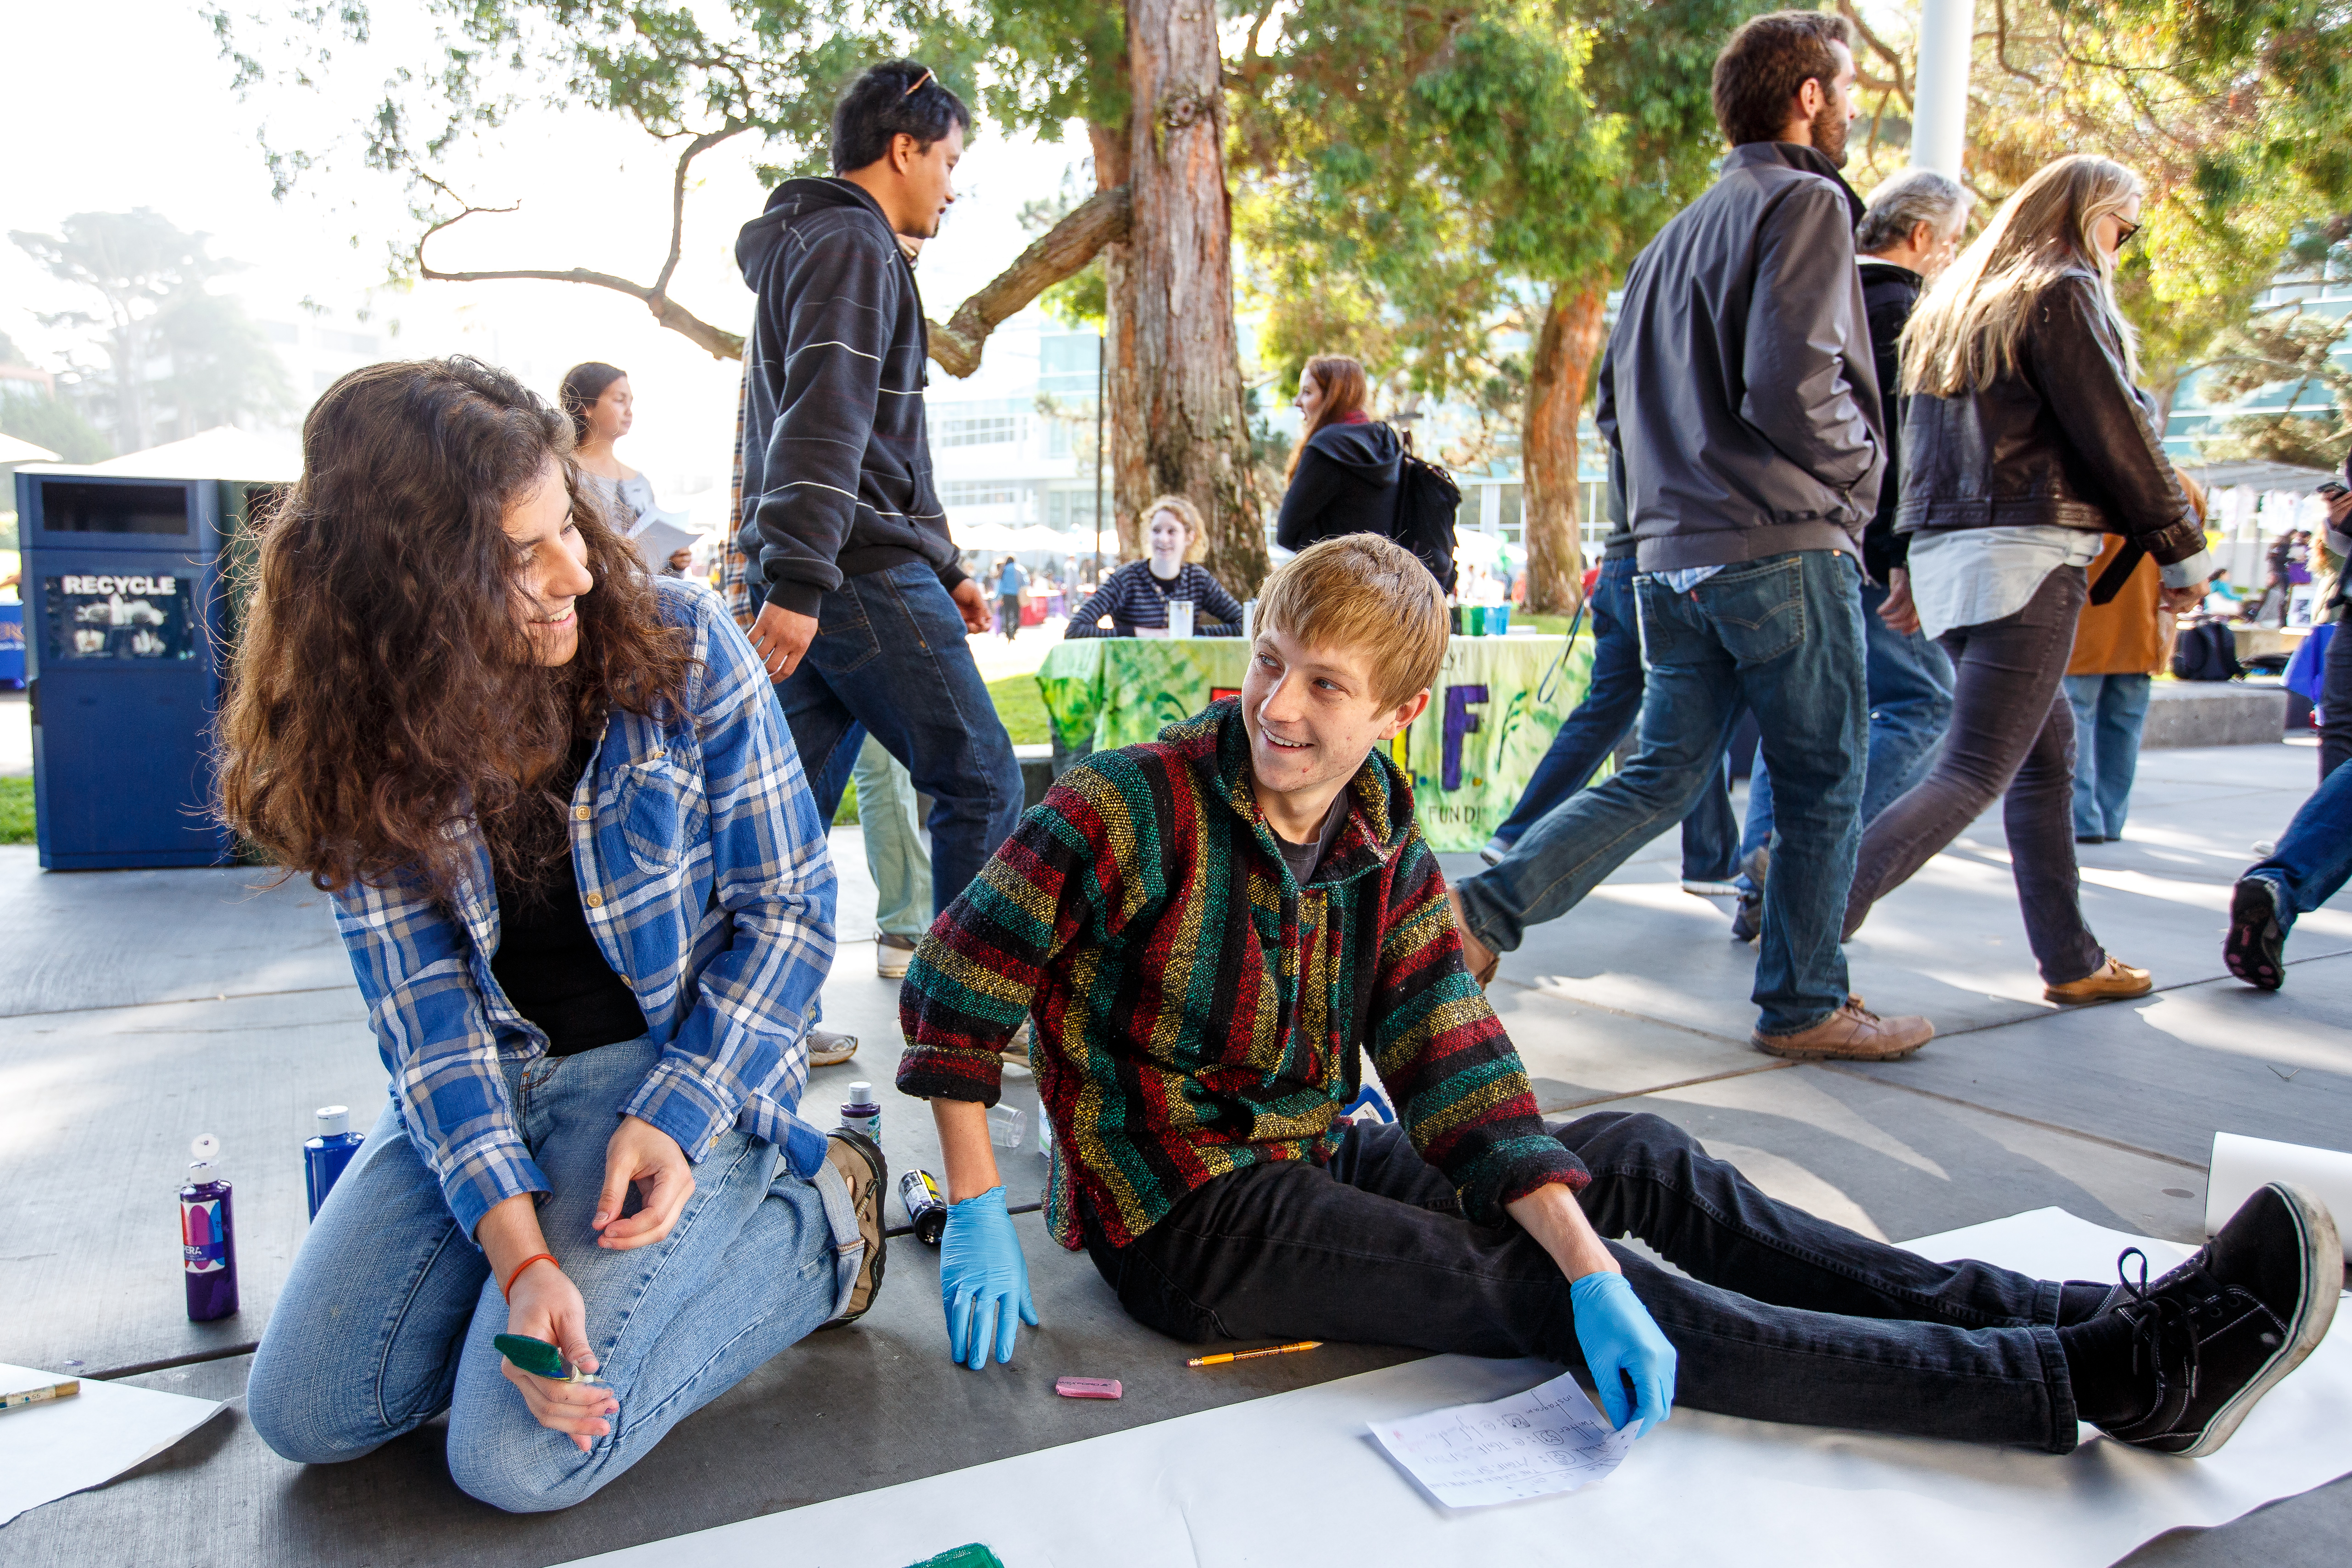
(1136, 597)
(589, 905)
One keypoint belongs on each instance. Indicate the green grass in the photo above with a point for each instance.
(1023, 708)
(16, 811)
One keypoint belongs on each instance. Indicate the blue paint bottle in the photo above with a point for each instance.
(324, 1157)
(208, 1235)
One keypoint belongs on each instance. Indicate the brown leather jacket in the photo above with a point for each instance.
(2062, 437)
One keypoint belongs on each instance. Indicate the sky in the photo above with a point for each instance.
(159, 127)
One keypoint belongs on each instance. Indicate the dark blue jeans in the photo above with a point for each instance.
(1613, 701)
(890, 655)
(1908, 680)
(1783, 637)
(1777, 1315)
(2314, 858)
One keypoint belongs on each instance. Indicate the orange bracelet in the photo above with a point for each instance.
(507, 1289)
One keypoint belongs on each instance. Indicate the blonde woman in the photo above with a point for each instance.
(2025, 441)
(1136, 596)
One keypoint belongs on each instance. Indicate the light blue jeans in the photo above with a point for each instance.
(2110, 711)
(894, 843)
(387, 1318)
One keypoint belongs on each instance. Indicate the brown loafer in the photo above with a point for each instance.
(2111, 982)
(1479, 959)
(1852, 1033)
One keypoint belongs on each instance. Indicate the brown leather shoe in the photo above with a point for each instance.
(1852, 1033)
(2111, 982)
(1479, 959)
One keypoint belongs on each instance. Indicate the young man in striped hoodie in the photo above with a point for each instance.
(1213, 930)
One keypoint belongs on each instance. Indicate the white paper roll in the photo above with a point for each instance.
(2242, 1164)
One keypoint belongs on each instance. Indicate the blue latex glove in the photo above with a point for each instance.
(983, 1279)
(1619, 1337)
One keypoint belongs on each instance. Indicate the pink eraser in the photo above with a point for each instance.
(1087, 1387)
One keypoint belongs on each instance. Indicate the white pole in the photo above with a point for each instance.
(1939, 103)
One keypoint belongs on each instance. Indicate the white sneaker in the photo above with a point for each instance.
(892, 954)
(1493, 851)
(1710, 889)
(827, 1049)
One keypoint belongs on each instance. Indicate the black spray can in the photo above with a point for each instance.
(926, 1210)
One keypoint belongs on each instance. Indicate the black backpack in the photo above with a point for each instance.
(1427, 502)
(2206, 650)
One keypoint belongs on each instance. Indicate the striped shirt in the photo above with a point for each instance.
(705, 880)
(1132, 597)
(1197, 1011)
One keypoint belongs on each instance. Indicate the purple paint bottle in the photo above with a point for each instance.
(208, 1235)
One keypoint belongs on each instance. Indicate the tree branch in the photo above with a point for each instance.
(718, 343)
(1099, 220)
(694, 149)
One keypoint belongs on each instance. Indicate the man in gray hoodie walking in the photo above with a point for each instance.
(859, 610)
(1739, 390)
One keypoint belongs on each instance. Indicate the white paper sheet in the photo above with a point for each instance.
(660, 534)
(1222, 1487)
(1549, 1439)
(2240, 1164)
(49, 1451)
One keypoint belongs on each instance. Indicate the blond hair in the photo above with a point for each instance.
(1971, 325)
(1196, 532)
(1359, 591)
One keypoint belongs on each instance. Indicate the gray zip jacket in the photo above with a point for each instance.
(1738, 384)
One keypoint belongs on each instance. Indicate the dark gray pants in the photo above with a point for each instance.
(2335, 704)
(2013, 739)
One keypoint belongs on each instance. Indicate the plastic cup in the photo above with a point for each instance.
(1179, 618)
(1005, 1129)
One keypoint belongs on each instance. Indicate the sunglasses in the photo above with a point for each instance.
(2124, 232)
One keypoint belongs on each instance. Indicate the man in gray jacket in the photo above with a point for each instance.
(1739, 389)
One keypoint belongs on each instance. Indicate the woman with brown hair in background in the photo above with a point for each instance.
(1343, 473)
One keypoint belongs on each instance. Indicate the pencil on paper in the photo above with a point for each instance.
(22, 1397)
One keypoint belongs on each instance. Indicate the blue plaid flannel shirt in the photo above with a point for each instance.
(707, 885)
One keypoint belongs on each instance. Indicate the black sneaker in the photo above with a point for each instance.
(1748, 920)
(2256, 946)
(2211, 1338)
(859, 1160)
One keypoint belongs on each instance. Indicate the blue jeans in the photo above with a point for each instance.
(2109, 713)
(1909, 682)
(1781, 635)
(889, 654)
(2314, 858)
(1613, 701)
(387, 1318)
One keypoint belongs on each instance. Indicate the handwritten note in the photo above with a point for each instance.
(1548, 1439)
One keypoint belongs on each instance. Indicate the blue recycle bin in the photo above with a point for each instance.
(124, 634)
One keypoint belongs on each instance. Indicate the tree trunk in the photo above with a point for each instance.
(1186, 358)
(1574, 328)
(1130, 469)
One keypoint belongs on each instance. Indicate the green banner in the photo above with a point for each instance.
(1495, 706)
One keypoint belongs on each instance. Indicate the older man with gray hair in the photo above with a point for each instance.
(1908, 233)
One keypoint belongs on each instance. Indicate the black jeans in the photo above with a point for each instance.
(2012, 739)
(1784, 1317)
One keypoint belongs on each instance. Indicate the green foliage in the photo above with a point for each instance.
(16, 810)
(52, 423)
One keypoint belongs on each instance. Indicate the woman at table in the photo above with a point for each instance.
(587, 897)
(1343, 473)
(1134, 597)
(597, 397)
(2025, 441)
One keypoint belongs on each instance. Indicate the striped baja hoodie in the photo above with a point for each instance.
(1196, 1010)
